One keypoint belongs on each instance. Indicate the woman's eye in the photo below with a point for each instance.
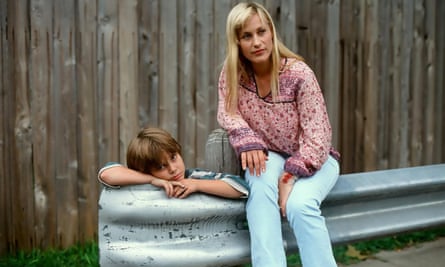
(261, 31)
(246, 36)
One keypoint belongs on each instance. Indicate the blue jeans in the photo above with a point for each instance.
(302, 211)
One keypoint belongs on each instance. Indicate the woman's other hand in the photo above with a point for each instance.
(285, 185)
(254, 160)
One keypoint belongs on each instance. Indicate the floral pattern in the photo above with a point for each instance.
(295, 125)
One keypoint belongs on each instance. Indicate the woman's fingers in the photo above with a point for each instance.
(254, 160)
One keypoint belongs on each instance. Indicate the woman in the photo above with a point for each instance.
(272, 107)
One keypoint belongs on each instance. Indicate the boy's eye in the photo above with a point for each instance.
(160, 167)
(173, 157)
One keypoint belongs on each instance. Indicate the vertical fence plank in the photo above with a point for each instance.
(149, 62)
(405, 76)
(394, 152)
(86, 76)
(128, 76)
(108, 81)
(331, 70)
(64, 104)
(22, 203)
(439, 80)
(42, 115)
(419, 90)
(430, 17)
(4, 151)
(383, 82)
(188, 81)
(206, 113)
(370, 82)
(168, 68)
(352, 117)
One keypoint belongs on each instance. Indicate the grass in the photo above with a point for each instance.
(87, 255)
(356, 252)
(84, 255)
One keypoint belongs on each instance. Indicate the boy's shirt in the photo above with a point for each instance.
(234, 181)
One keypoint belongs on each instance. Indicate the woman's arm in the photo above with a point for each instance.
(250, 148)
(314, 141)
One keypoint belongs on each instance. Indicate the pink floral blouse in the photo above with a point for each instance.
(296, 125)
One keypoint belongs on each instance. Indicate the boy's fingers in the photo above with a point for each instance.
(177, 184)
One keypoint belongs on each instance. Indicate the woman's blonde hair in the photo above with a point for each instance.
(148, 149)
(236, 65)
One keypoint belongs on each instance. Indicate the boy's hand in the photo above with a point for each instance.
(189, 186)
(169, 187)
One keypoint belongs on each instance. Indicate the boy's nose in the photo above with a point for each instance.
(171, 168)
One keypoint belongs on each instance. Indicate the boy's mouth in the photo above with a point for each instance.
(177, 177)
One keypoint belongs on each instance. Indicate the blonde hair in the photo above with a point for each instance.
(236, 65)
(147, 150)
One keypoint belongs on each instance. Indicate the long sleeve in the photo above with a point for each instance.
(241, 136)
(315, 132)
(295, 124)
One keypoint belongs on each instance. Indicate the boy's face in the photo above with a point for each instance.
(173, 168)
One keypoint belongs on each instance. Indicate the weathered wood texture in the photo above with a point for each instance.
(79, 78)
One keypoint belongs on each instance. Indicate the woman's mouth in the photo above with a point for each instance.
(258, 52)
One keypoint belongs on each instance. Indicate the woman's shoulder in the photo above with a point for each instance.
(296, 68)
(295, 64)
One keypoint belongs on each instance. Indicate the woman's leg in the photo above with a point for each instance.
(304, 215)
(263, 215)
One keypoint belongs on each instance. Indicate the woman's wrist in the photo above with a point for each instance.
(288, 178)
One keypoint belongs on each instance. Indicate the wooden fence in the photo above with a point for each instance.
(78, 78)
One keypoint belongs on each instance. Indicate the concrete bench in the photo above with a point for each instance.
(139, 226)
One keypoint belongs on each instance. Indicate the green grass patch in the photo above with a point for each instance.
(359, 251)
(87, 255)
(356, 252)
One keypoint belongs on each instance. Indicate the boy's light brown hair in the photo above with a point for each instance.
(149, 149)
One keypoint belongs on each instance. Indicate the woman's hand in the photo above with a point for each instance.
(285, 185)
(254, 160)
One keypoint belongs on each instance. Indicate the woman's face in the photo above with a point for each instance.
(255, 40)
(173, 168)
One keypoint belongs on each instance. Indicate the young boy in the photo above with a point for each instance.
(154, 157)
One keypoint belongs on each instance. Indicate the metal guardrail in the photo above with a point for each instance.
(139, 226)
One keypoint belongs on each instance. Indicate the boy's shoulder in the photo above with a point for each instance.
(199, 173)
(206, 174)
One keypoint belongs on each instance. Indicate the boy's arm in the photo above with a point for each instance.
(219, 184)
(115, 175)
(211, 187)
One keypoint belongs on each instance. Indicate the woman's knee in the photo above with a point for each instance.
(303, 207)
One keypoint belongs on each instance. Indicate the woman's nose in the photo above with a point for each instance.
(256, 40)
